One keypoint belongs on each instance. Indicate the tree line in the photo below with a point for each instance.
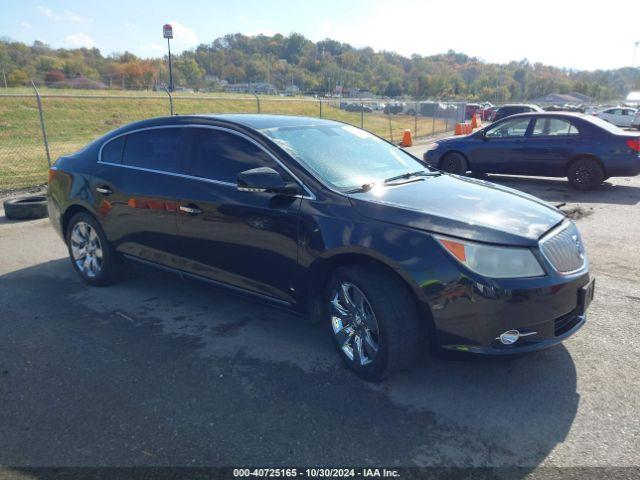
(318, 67)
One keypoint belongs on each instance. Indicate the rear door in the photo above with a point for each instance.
(243, 239)
(501, 150)
(626, 117)
(139, 181)
(550, 145)
(612, 115)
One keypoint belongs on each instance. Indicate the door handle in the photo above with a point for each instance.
(190, 209)
(104, 190)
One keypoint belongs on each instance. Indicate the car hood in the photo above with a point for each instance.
(451, 139)
(461, 207)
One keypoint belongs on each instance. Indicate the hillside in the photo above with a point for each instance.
(314, 67)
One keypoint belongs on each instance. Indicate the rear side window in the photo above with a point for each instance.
(155, 149)
(112, 151)
(218, 155)
(553, 127)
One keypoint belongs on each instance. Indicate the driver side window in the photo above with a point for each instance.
(221, 156)
(508, 129)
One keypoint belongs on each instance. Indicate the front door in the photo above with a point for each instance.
(501, 149)
(243, 239)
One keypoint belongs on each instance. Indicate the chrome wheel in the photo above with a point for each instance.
(354, 324)
(86, 249)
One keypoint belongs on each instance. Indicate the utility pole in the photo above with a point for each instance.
(167, 32)
(4, 77)
(635, 48)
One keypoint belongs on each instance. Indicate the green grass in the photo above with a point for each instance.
(71, 122)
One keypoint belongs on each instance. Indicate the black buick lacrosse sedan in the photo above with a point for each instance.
(391, 255)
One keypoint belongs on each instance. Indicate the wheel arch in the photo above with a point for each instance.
(321, 269)
(581, 156)
(68, 215)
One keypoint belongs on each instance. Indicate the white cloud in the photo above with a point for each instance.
(183, 36)
(66, 16)
(129, 26)
(154, 47)
(78, 40)
(25, 24)
(430, 28)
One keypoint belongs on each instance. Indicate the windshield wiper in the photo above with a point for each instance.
(419, 173)
(405, 176)
(362, 188)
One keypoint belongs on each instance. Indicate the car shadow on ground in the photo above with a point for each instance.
(557, 190)
(157, 371)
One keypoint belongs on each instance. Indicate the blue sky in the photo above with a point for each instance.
(577, 34)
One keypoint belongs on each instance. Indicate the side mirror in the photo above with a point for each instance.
(265, 179)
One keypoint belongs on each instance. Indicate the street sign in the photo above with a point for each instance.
(167, 31)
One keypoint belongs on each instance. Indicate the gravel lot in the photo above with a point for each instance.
(162, 371)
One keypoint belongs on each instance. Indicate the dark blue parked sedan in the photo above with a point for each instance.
(583, 148)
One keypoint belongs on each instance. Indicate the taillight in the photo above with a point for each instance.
(634, 145)
(52, 173)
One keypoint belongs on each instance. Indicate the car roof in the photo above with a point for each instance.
(518, 105)
(242, 120)
(259, 121)
(549, 114)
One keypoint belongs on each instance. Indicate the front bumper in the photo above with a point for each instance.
(571, 324)
(469, 314)
(432, 157)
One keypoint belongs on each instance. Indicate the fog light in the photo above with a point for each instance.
(509, 337)
(512, 336)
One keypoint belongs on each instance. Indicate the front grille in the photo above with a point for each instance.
(564, 249)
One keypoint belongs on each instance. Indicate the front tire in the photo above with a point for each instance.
(90, 252)
(585, 174)
(373, 320)
(454, 163)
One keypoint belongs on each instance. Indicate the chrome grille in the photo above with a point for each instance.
(564, 249)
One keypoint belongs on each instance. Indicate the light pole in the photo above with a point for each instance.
(167, 32)
(635, 48)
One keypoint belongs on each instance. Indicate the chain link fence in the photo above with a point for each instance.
(39, 127)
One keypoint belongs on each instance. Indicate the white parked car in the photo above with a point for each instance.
(635, 123)
(620, 116)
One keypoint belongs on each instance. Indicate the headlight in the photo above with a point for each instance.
(432, 146)
(494, 262)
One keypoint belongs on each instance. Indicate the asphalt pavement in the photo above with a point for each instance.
(157, 370)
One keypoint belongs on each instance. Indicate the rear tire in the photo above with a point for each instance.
(585, 174)
(454, 163)
(382, 314)
(90, 252)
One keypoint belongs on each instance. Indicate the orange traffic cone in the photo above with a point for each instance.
(459, 129)
(406, 139)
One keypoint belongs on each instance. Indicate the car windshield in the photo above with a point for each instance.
(346, 157)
